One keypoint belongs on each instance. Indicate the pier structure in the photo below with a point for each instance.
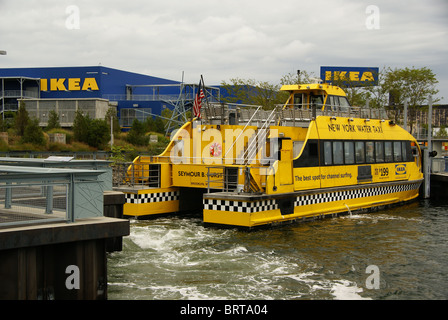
(54, 229)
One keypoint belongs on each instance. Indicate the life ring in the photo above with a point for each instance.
(215, 150)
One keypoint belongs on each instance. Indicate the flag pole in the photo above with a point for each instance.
(205, 91)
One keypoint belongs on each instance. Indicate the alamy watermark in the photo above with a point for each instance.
(373, 18)
(373, 280)
(229, 146)
(73, 280)
(72, 22)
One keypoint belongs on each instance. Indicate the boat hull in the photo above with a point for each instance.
(249, 212)
(142, 203)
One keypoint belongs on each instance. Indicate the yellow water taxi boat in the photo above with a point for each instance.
(244, 166)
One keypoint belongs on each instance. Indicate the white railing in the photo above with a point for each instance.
(144, 97)
(18, 93)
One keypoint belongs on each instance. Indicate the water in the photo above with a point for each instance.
(178, 258)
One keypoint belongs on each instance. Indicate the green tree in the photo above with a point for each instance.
(377, 95)
(98, 134)
(94, 132)
(21, 119)
(137, 134)
(81, 127)
(53, 120)
(298, 78)
(112, 113)
(33, 133)
(253, 92)
(414, 85)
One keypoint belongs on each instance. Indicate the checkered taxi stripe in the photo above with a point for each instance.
(265, 205)
(352, 194)
(152, 197)
(240, 206)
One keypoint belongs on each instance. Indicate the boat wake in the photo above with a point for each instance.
(181, 259)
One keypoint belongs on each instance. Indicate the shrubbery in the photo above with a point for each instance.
(94, 132)
(87, 134)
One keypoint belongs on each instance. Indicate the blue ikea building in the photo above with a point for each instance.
(134, 95)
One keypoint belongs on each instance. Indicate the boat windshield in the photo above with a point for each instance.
(317, 100)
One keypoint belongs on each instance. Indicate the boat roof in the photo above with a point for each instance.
(329, 89)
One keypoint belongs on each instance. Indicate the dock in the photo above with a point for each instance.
(58, 221)
(439, 185)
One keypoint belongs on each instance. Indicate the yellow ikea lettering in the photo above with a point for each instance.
(90, 83)
(354, 76)
(73, 84)
(339, 75)
(57, 84)
(367, 76)
(43, 85)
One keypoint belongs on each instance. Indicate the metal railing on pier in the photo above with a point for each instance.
(31, 203)
(42, 195)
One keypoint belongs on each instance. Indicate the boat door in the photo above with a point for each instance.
(285, 161)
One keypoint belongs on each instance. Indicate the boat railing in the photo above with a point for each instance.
(303, 112)
(226, 178)
(256, 142)
(289, 114)
(215, 178)
(234, 114)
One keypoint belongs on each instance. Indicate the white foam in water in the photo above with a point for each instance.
(346, 290)
(156, 238)
(186, 250)
(340, 289)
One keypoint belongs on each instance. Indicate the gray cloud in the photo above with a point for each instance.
(227, 38)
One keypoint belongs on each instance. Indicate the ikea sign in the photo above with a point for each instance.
(350, 76)
(400, 169)
(69, 84)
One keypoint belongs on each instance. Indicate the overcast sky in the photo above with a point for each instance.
(224, 39)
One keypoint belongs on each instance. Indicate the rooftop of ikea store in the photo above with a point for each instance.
(80, 82)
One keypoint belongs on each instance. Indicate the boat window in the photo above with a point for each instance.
(370, 156)
(317, 101)
(349, 152)
(327, 153)
(397, 151)
(406, 151)
(388, 151)
(335, 102)
(360, 153)
(343, 102)
(298, 100)
(379, 151)
(329, 104)
(297, 148)
(338, 155)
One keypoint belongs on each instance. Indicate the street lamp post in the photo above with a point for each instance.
(3, 53)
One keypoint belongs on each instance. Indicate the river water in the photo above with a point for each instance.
(398, 253)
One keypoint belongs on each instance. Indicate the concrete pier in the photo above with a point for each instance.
(56, 227)
(439, 185)
(57, 261)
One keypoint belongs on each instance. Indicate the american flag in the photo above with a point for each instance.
(198, 100)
